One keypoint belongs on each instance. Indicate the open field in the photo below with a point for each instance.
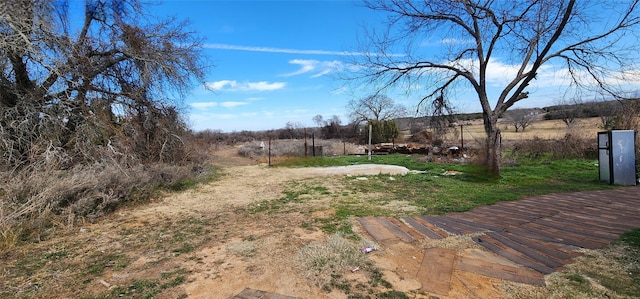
(544, 129)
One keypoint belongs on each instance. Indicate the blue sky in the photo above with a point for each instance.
(275, 63)
(274, 60)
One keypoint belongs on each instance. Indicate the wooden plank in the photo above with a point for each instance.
(436, 220)
(565, 237)
(515, 212)
(431, 226)
(504, 272)
(466, 226)
(527, 251)
(534, 234)
(570, 238)
(511, 254)
(545, 247)
(475, 221)
(583, 228)
(405, 237)
(376, 230)
(597, 221)
(436, 269)
(502, 218)
(421, 228)
(405, 228)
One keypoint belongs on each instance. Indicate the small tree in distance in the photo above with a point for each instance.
(520, 119)
(376, 107)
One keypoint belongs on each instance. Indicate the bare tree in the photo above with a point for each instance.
(568, 111)
(318, 120)
(376, 107)
(520, 119)
(109, 82)
(475, 34)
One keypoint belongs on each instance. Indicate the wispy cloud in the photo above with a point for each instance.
(231, 104)
(292, 51)
(233, 85)
(203, 105)
(320, 68)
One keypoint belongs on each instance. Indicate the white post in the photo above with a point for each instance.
(369, 143)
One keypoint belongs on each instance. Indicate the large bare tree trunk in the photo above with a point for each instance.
(493, 145)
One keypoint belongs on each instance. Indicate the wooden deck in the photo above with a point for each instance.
(540, 235)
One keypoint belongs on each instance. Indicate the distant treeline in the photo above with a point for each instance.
(358, 134)
(588, 109)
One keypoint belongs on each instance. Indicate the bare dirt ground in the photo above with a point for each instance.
(260, 250)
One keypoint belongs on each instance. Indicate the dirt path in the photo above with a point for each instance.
(251, 250)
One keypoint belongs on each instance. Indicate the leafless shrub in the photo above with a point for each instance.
(30, 201)
(572, 145)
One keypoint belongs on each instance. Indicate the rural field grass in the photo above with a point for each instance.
(284, 230)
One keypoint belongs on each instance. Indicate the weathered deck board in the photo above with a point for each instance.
(375, 229)
(405, 228)
(436, 269)
(397, 231)
(422, 228)
(512, 254)
(515, 274)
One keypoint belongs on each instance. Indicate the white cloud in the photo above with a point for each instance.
(232, 104)
(263, 86)
(203, 105)
(233, 85)
(219, 85)
(320, 68)
(291, 51)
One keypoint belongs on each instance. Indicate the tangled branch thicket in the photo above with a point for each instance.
(90, 109)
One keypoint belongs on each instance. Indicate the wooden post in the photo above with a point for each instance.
(269, 151)
(370, 128)
(305, 142)
(313, 144)
(461, 138)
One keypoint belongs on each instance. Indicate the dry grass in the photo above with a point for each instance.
(603, 273)
(336, 254)
(34, 203)
(547, 129)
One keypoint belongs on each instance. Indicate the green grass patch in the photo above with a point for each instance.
(100, 262)
(632, 238)
(436, 191)
(296, 193)
(146, 288)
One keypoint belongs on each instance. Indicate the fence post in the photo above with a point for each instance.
(305, 142)
(461, 138)
(269, 151)
(370, 128)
